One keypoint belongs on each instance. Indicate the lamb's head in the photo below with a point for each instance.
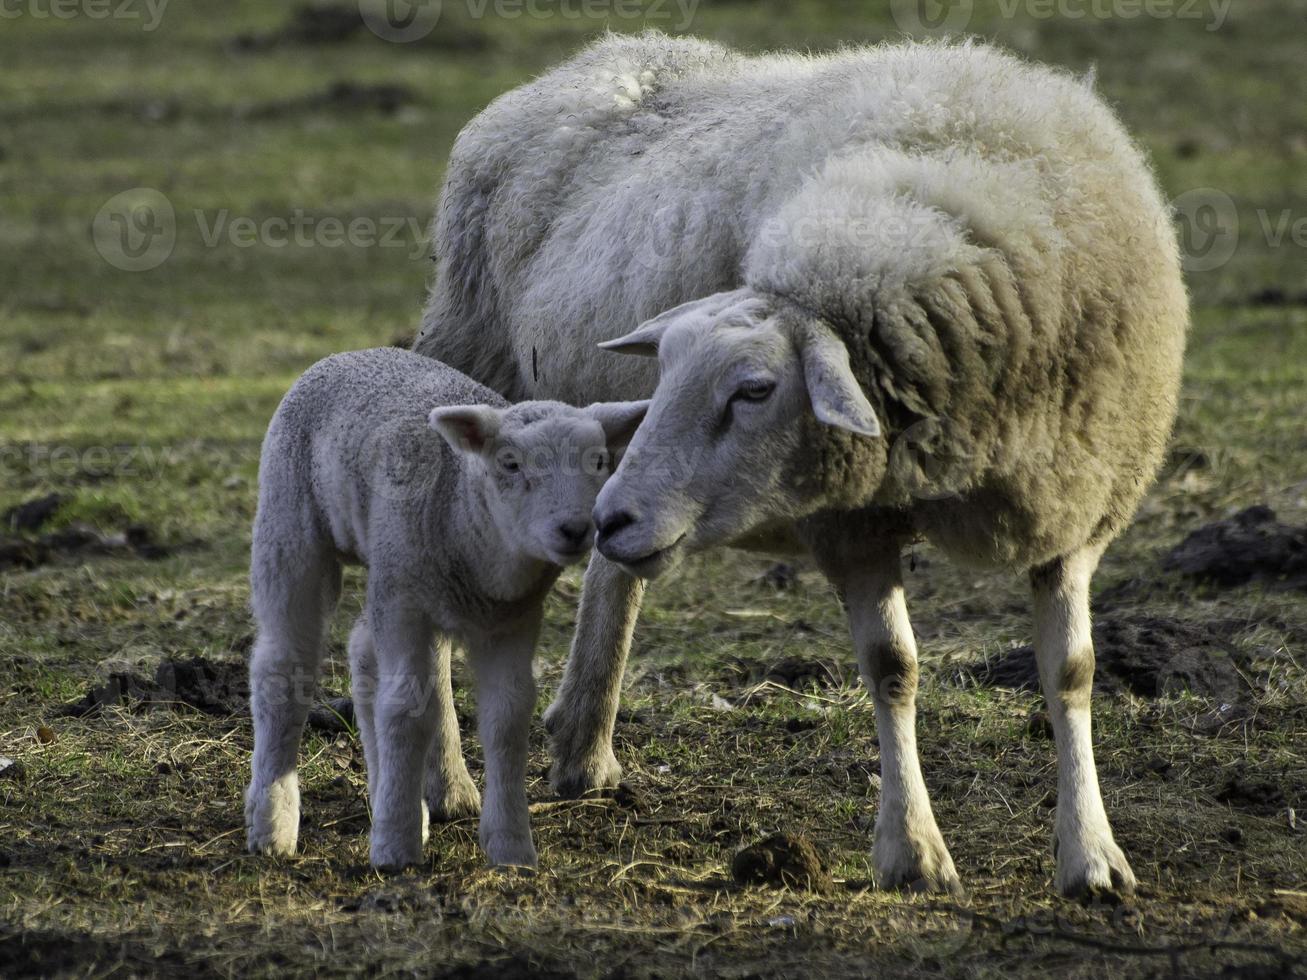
(746, 384)
(540, 465)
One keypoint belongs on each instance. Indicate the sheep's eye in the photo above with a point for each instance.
(598, 461)
(509, 462)
(755, 389)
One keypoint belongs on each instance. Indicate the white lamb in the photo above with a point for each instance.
(463, 536)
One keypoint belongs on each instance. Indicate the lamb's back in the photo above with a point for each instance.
(351, 437)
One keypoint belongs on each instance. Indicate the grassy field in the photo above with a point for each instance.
(140, 398)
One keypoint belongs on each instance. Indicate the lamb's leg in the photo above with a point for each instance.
(1088, 859)
(506, 694)
(580, 721)
(403, 723)
(292, 598)
(909, 850)
(451, 793)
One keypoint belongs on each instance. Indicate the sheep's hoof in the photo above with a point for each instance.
(454, 800)
(1094, 868)
(574, 779)
(920, 866)
(510, 850)
(392, 855)
(272, 819)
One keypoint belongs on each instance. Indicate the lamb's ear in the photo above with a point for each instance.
(619, 420)
(837, 398)
(467, 428)
(643, 340)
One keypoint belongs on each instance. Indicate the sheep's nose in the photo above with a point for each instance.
(573, 532)
(609, 524)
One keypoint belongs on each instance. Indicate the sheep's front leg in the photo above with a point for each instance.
(909, 850)
(403, 722)
(580, 721)
(506, 694)
(451, 793)
(1088, 858)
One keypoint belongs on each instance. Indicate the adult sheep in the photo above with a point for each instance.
(895, 291)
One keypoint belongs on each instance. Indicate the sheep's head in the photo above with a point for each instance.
(542, 464)
(745, 382)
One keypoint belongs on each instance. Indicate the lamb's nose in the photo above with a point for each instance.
(573, 532)
(610, 524)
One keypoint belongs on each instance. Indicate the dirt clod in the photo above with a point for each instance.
(213, 687)
(1039, 725)
(1251, 793)
(1149, 656)
(780, 576)
(80, 540)
(796, 673)
(789, 860)
(33, 514)
(334, 715)
(1251, 546)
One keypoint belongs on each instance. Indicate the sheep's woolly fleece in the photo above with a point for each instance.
(981, 232)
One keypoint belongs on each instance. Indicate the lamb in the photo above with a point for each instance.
(463, 537)
(914, 290)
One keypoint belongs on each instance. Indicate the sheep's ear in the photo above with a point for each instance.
(619, 420)
(644, 339)
(837, 398)
(467, 428)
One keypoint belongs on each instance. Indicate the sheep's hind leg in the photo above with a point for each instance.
(451, 794)
(291, 606)
(403, 722)
(909, 851)
(580, 721)
(1088, 858)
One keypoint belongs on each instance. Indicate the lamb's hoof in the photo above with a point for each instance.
(1095, 868)
(598, 771)
(457, 799)
(920, 866)
(510, 850)
(272, 819)
(394, 855)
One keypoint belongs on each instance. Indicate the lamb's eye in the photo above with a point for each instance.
(755, 389)
(597, 461)
(508, 461)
